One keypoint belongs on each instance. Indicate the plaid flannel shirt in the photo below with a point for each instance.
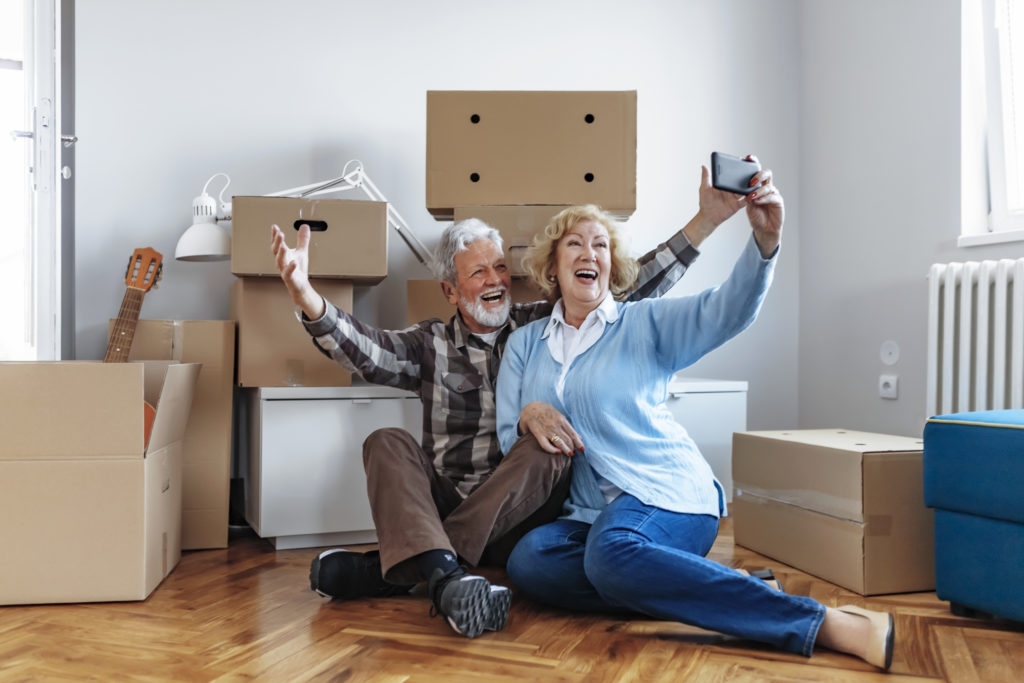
(453, 371)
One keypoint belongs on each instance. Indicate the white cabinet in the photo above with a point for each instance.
(305, 485)
(711, 410)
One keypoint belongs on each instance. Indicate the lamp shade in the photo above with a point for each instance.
(204, 240)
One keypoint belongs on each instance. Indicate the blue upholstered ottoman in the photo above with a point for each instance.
(974, 478)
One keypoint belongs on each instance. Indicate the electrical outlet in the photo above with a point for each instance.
(889, 386)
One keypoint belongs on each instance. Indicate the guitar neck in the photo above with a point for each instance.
(124, 328)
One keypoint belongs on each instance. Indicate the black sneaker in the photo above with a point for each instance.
(469, 602)
(500, 600)
(344, 575)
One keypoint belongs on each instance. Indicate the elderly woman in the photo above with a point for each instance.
(644, 505)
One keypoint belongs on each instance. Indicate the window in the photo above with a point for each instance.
(29, 181)
(993, 121)
(1004, 66)
(15, 190)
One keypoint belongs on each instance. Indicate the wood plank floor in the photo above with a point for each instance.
(246, 612)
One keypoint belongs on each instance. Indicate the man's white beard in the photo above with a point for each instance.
(487, 317)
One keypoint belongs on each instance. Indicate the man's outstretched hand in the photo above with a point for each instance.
(293, 264)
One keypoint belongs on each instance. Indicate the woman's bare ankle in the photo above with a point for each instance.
(844, 632)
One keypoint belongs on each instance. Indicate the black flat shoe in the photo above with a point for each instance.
(346, 575)
(768, 576)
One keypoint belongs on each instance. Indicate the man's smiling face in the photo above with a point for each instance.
(482, 291)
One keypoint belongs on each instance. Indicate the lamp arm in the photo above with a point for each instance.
(357, 178)
(395, 220)
(349, 181)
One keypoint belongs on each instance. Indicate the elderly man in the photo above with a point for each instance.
(454, 496)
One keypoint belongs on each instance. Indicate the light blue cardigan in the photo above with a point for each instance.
(615, 391)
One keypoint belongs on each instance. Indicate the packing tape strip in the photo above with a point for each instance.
(294, 372)
(878, 525)
(177, 339)
(840, 507)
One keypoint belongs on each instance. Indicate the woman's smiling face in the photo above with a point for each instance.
(583, 265)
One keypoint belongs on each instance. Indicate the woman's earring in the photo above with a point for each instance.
(552, 278)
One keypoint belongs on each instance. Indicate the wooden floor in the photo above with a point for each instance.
(247, 613)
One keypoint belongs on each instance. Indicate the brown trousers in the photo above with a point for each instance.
(415, 509)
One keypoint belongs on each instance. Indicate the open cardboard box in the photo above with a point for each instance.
(88, 512)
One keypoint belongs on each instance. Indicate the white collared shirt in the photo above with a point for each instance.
(566, 343)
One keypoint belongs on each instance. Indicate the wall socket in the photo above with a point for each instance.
(889, 386)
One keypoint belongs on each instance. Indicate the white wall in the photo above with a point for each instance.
(281, 94)
(880, 199)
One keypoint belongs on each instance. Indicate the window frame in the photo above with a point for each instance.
(981, 36)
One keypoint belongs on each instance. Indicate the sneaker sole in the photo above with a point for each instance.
(499, 602)
(468, 611)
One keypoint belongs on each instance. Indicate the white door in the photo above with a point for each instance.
(30, 180)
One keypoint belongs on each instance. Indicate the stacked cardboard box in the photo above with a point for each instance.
(348, 245)
(514, 159)
(206, 454)
(492, 148)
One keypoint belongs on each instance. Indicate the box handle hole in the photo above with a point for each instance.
(314, 226)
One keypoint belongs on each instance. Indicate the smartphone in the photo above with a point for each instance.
(732, 174)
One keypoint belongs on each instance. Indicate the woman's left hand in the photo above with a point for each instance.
(551, 429)
(766, 211)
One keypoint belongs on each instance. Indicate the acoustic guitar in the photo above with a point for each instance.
(144, 270)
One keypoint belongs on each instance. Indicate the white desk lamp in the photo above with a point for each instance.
(205, 240)
(202, 243)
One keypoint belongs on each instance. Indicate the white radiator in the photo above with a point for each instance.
(975, 336)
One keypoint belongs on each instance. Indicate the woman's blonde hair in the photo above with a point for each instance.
(539, 261)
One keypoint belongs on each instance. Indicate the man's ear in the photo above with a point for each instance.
(450, 293)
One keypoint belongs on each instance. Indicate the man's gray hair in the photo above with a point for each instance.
(457, 237)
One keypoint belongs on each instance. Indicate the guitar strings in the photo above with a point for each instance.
(124, 327)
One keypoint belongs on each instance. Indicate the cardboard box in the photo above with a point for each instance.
(500, 148)
(274, 350)
(845, 506)
(517, 225)
(207, 445)
(424, 299)
(88, 513)
(349, 237)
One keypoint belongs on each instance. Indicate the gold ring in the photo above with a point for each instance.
(554, 439)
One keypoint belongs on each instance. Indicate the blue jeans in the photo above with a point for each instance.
(639, 558)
